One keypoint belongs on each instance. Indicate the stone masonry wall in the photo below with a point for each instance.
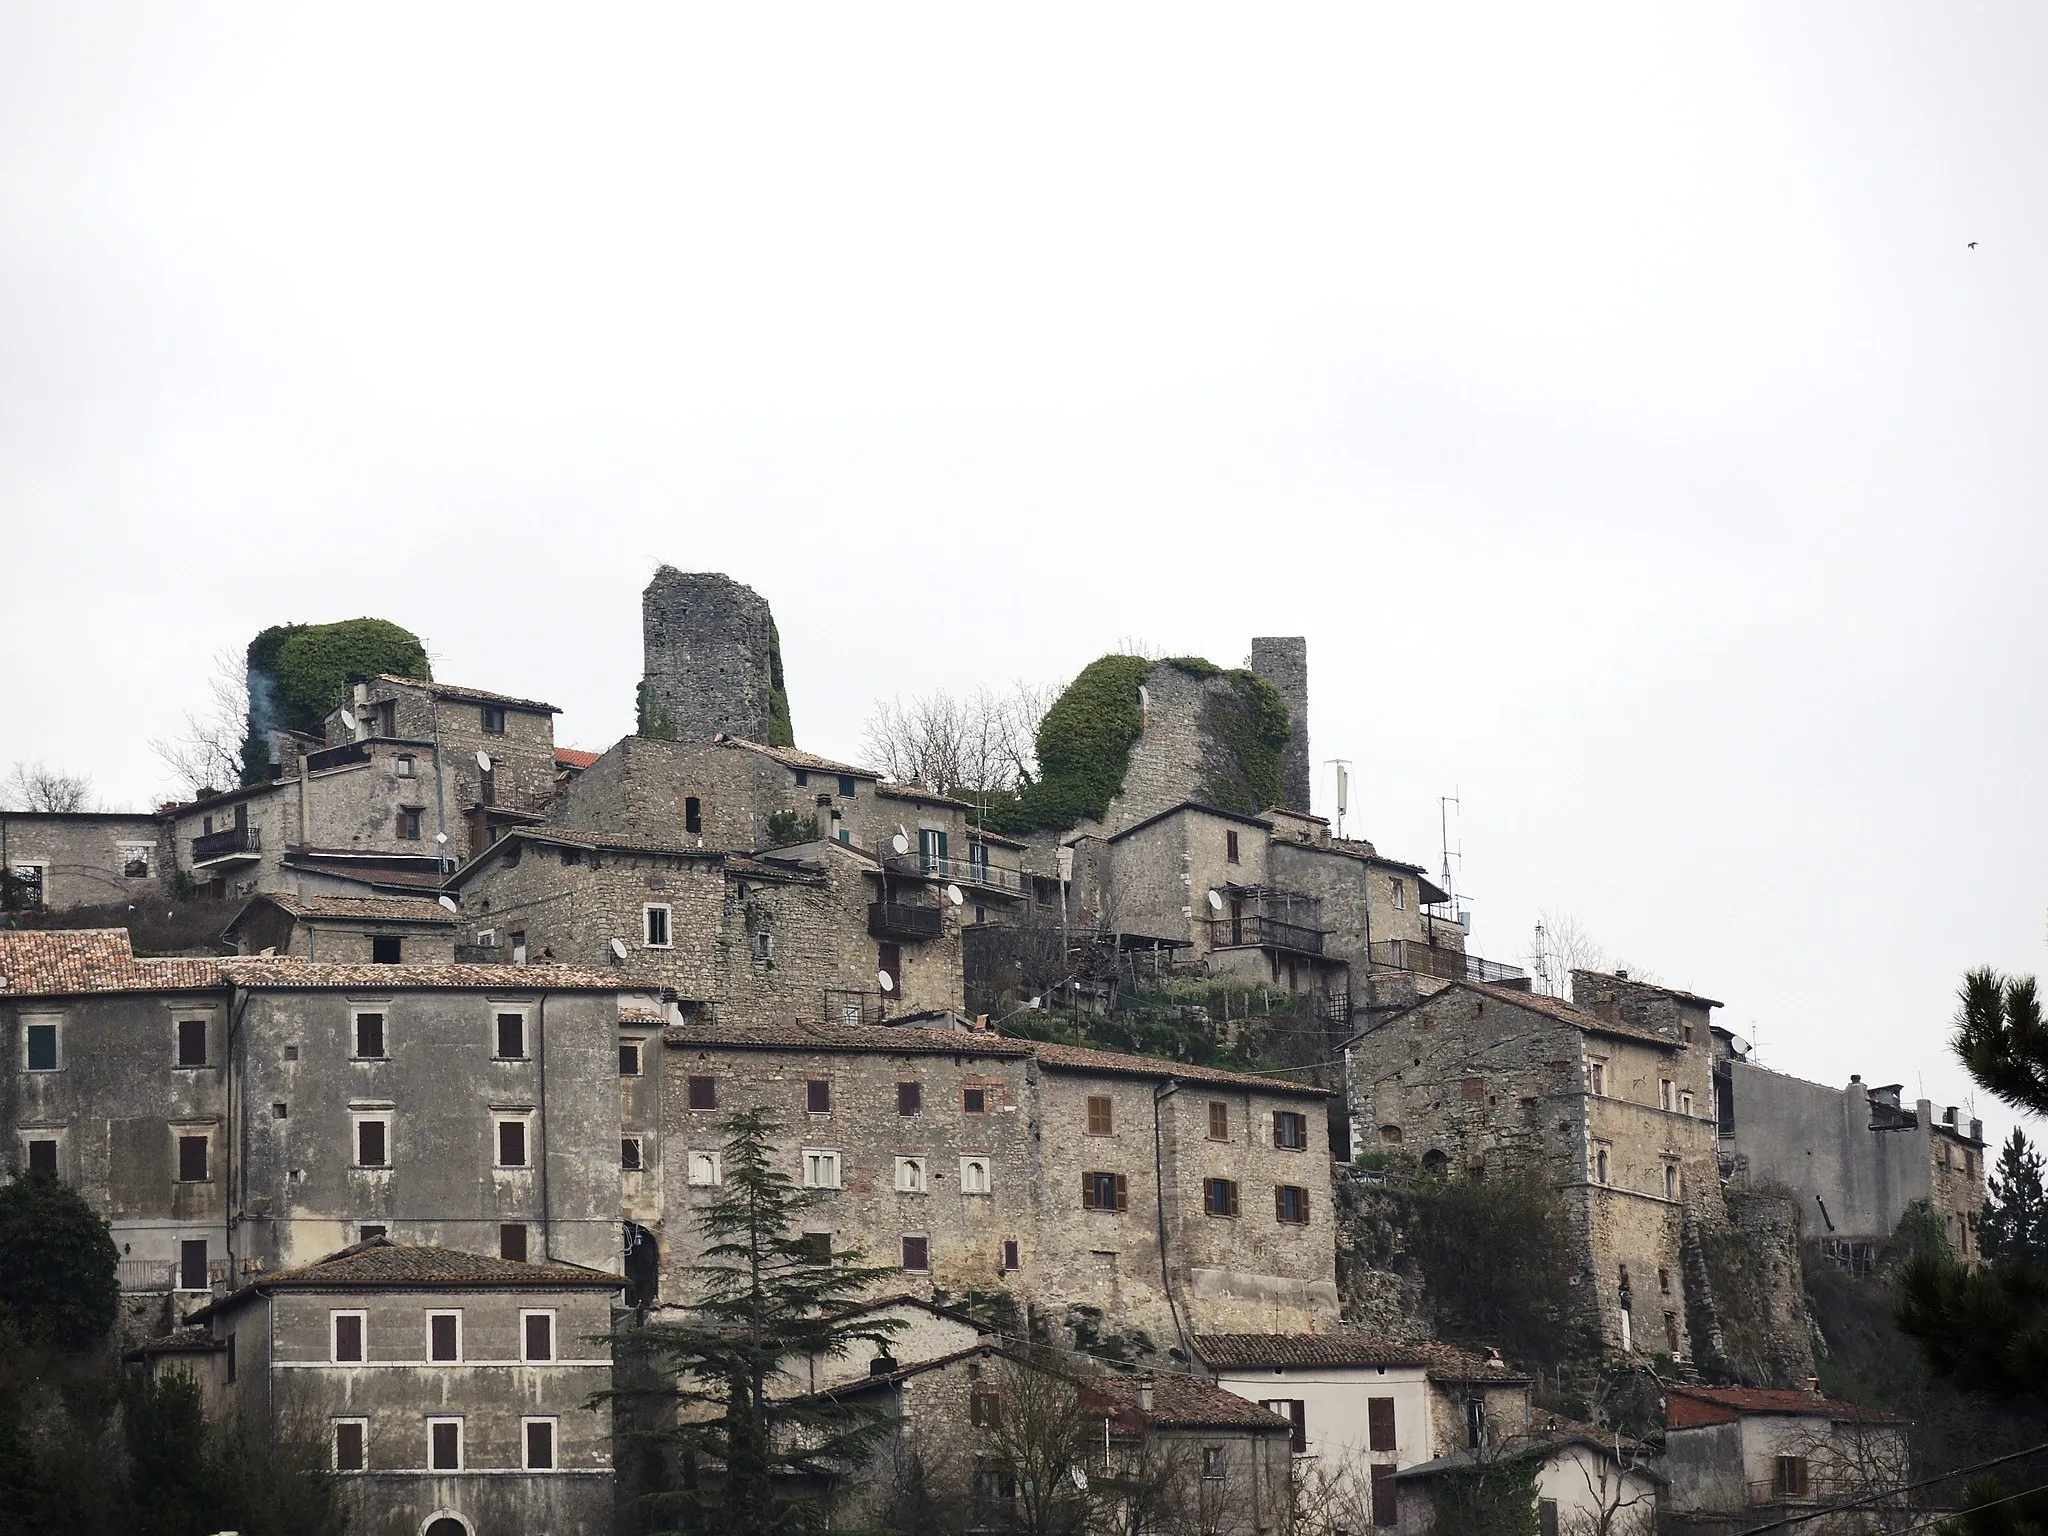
(86, 858)
(706, 645)
(1282, 662)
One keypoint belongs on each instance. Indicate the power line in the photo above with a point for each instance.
(1892, 1493)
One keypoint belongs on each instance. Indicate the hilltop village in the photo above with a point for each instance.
(442, 1101)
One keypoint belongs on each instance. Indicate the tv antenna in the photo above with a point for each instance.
(1343, 776)
(1454, 857)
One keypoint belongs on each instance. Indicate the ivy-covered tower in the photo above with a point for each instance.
(713, 662)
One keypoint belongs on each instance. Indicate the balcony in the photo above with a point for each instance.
(984, 876)
(1256, 929)
(848, 1007)
(337, 757)
(894, 920)
(1421, 959)
(235, 845)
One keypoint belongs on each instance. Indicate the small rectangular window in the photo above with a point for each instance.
(1791, 1481)
(1101, 1115)
(917, 1254)
(1596, 1079)
(1219, 1197)
(1012, 1259)
(191, 1159)
(192, 1266)
(655, 932)
(191, 1042)
(1212, 1462)
(1290, 1204)
(1546, 1517)
(444, 1445)
(405, 765)
(1685, 1102)
(985, 1408)
(1664, 1092)
(512, 1242)
(629, 1058)
(39, 1047)
(910, 1098)
(537, 1335)
(818, 1096)
(348, 1337)
(1295, 1411)
(817, 1247)
(511, 1037)
(350, 1443)
(974, 1101)
(703, 1093)
(444, 1336)
(1219, 1120)
(1230, 846)
(629, 1154)
(370, 1229)
(409, 825)
(512, 1143)
(705, 1172)
(1103, 1192)
(846, 786)
(540, 1445)
(280, 1110)
(42, 1157)
(494, 720)
(803, 778)
(693, 814)
(369, 1036)
(386, 949)
(373, 1136)
(1290, 1130)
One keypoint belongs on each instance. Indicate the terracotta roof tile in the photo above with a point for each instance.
(1182, 1402)
(792, 757)
(63, 962)
(266, 972)
(379, 1262)
(1258, 1351)
(1082, 1059)
(472, 695)
(1690, 1407)
(573, 757)
(366, 909)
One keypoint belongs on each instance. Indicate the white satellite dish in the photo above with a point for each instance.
(483, 761)
(1215, 902)
(348, 721)
(449, 903)
(619, 948)
(953, 895)
(884, 981)
(900, 843)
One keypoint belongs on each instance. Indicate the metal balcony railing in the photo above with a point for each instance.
(991, 877)
(1422, 959)
(233, 843)
(1254, 929)
(847, 1007)
(894, 920)
(337, 757)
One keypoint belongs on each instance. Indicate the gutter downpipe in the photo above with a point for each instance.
(237, 1006)
(547, 1230)
(1159, 1096)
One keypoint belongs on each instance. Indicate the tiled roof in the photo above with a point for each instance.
(380, 1264)
(265, 972)
(181, 1341)
(1557, 1429)
(366, 909)
(76, 818)
(1081, 1059)
(1690, 1407)
(918, 796)
(1178, 1402)
(1550, 1007)
(1654, 986)
(472, 695)
(1259, 1351)
(639, 1016)
(791, 757)
(984, 835)
(69, 961)
(573, 757)
(1199, 808)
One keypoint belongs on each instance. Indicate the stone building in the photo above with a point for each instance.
(713, 665)
(1281, 661)
(1611, 1095)
(472, 1106)
(384, 930)
(59, 859)
(1855, 1158)
(1586, 1481)
(1114, 1194)
(804, 933)
(455, 1394)
(1738, 1456)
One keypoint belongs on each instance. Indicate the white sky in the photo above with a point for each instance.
(1609, 395)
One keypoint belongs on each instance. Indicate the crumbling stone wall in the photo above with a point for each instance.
(709, 668)
(1281, 661)
(1744, 1290)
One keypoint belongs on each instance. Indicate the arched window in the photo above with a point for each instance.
(974, 1176)
(446, 1525)
(1600, 1165)
(1435, 1161)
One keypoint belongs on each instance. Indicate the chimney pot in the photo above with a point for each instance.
(1144, 1394)
(1621, 975)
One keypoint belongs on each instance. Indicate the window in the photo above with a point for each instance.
(444, 1336)
(347, 1334)
(974, 1176)
(1400, 890)
(654, 927)
(889, 961)
(917, 1254)
(518, 940)
(28, 885)
(1596, 1079)
(1101, 1116)
(373, 1141)
(1212, 1461)
(693, 814)
(512, 1242)
(846, 786)
(512, 1141)
(135, 860)
(1670, 1181)
(192, 1265)
(1671, 1333)
(537, 1336)
(1685, 1101)
(444, 1445)
(818, 1096)
(1104, 1192)
(1665, 1089)
(910, 1098)
(540, 1444)
(817, 1247)
(494, 720)
(191, 1042)
(1386, 1506)
(405, 765)
(1219, 1197)
(629, 1154)
(1379, 1424)
(511, 1037)
(910, 1176)
(703, 1093)
(192, 1160)
(973, 1101)
(803, 778)
(705, 1170)
(1546, 1517)
(42, 1156)
(487, 938)
(1475, 1423)
(369, 1230)
(985, 1408)
(385, 950)
(487, 785)
(629, 1058)
(1295, 1410)
(39, 1044)
(350, 1442)
(821, 1169)
(1230, 846)
(409, 825)
(1290, 1130)
(1290, 1204)
(1790, 1481)
(1219, 1120)
(1600, 1166)
(1012, 1257)
(1664, 1281)
(369, 1036)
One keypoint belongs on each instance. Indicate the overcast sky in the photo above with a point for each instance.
(1611, 396)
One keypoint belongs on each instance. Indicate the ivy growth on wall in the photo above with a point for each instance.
(298, 672)
(1084, 746)
(780, 732)
(1252, 723)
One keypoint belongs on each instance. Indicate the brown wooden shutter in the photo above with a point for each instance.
(1385, 1508)
(1379, 1422)
(1123, 1195)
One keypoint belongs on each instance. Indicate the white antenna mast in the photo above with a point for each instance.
(1342, 765)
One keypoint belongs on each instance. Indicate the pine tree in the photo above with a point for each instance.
(765, 1296)
(2015, 1224)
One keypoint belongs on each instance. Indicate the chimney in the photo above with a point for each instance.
(1621, 975)
(1144, 1394)
(1813, 1386)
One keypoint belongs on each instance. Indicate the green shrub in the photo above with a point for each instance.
(1252, 722)
(298, 672)
(1084, 745)
(59, 1269)
(788, 827)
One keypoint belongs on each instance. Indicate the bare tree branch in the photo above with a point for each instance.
(38, 787)
(208, 753)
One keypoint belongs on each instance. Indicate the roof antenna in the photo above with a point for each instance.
(1343, 767)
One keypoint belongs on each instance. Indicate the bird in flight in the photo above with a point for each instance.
(1973, 245)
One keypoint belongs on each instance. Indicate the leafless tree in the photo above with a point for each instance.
(207, 754)
(1330, 1495)
(1559, 946)
(38, 787)
(1614, 1505)
(978, 744)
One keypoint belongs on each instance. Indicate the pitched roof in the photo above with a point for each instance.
(1178, 1402)
(919, 796)
(1654, 986)
(1535, 1002)
(472, 695)
(70, 961)
(1691, 1407)
(180, 1341)
(762, 865)
(1081, 1059)
(264, 972)
(575, 757)
(1260, 1351)
(380, 1264)
(793, 757)
(1191, 805)
(361, 909)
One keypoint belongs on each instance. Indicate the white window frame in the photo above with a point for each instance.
(54, 1021)
(178, 1023)
(404, 766)
(554, 1443)
(184, 1133)
(668, 925)
(985, 1167)
(1685, 1101)
(362, 1426)
(357, 1119)
(525, 1123)
(712, 1162)
(639, 1163)
(461, 1442)
(554, 1336)
(1667, 1094)
(1596, 1078)
(822, 1168)
(639, 1045)
(456, 1313)
(913, 1177)
(334, 1318)
(147, 852)
(506, 1010)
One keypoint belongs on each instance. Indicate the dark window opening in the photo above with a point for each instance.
(917, 1252)
(629, 1154)
(1230, 846)
(818, 1096)
(540, 1446)
(494, 720)
(348, 1447)
(191, 1042)
(370, 1230)
(511, 1143)
(910, 1098)
(441, 1337)
(1386, 1509)
(487, 786)
(817, 1247)
(280, 1110)
(629, 1059)
(409, 826)
(703, 1093)
(386, 950)
(1290, 1204)
(42, 1157)
(371, 1151)
(1475, 1423)
(1104, 1192)
(1012, 1259)
(191, 1159)
(42, 1047)
(445, 1440)
(846, 786)
(348, 1338)
(1219, 1197)
(370, 1035)
(512, 1242)
(693, 814)
(1379, 1424)
(1546, 1517)
(511, 1037)
(539, 1331)
(985, 1409)
(192, 1264)
(974, 1101)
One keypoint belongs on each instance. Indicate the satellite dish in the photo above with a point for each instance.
(483, 761)
(902, 831)
(619, 948)
(1215, 901)
(449, 903)
(900, 843)
(953, 895)
(348, 721)
(883, 980)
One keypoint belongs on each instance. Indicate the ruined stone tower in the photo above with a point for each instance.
(1282, 662)
(713, 662)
